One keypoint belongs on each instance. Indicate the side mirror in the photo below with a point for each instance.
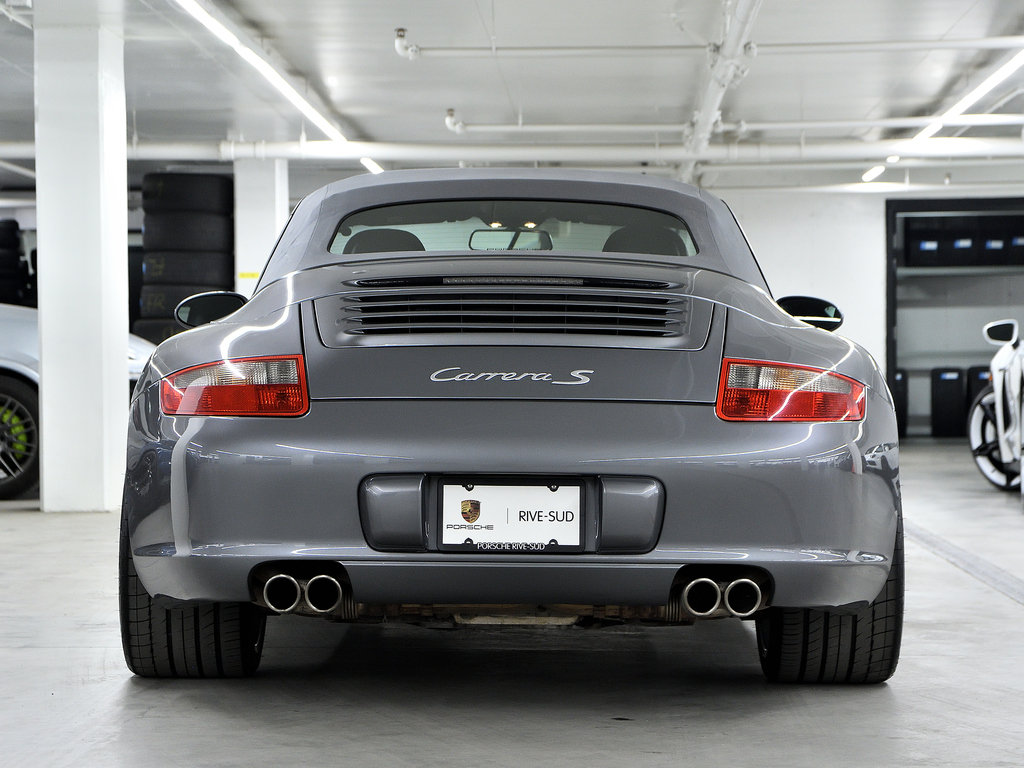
(817, 312)
(1001, 332)
(204, 308)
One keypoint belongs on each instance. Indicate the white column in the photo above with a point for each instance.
(82, 205)
(261, 211)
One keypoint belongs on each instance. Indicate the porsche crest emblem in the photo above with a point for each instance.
(470, 510)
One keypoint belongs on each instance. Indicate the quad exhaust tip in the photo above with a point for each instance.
(282, 593)
(704, 597)
(323, 594)
(742, 598)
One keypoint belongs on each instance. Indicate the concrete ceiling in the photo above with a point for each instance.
(729, 94)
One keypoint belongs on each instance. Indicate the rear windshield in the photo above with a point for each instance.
(513, 225)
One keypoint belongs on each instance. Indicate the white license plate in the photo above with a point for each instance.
(511, 519)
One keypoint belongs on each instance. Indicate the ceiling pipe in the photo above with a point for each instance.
(16, 18)
(411, 51)
(458, 126)
(717, 166)
(730, 61)
(887, 188)
(763, 153)
(14, 168)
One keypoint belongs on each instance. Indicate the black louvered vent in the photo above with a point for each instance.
(516, 309)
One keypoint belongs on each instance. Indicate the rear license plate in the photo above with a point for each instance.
(512, 519)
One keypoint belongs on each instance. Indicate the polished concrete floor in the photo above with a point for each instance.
(407, 696)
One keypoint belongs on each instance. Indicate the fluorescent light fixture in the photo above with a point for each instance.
(891, 159)
(985, 87)
(258, 61)
(873, 173)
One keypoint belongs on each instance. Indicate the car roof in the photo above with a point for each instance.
(305, 242)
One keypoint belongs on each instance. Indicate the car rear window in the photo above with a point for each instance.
(513, 225)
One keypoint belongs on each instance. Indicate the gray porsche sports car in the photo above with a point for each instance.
(498, 395)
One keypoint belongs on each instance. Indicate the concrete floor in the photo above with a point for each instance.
(400, 696)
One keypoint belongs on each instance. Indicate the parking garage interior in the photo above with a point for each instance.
(872, 154)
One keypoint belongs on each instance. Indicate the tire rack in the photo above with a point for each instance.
(15, 280)
(188, 245)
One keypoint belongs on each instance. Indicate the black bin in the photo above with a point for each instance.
(949, 402)
(978, 377)
(899, 397)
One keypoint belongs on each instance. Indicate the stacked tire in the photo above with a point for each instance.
(188, 245)
(12, 268)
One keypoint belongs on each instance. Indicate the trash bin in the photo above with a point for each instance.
(978, 377)
(949, 402)
(899, 397)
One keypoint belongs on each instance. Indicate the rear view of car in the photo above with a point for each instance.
(467, 394)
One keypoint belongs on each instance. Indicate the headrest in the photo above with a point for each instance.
(382, 241)
(654, 240)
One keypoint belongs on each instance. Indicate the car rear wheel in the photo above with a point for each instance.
(19, 437)
(984, 439)
(204, 640)
(800, 645)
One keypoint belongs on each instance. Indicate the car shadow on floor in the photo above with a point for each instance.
(409, 655)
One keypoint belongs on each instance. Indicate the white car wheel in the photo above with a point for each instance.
(984, 439)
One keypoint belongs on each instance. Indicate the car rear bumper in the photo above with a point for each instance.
(799, 578)
(812, 506)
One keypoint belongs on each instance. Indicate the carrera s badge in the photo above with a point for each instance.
(457, 374)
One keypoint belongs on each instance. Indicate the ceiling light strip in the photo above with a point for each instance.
(951, 115)
(259, 61)
(985, 87)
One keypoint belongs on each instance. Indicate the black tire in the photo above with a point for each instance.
(187, 231)
(135, 258)
(210, 193)
(801, 645)
(202, 640)
(210, 268)
(159, 301)
(9, 240)
(10, 258)
(156, 331)
(11, 291)
(19, 437)
(982, 435)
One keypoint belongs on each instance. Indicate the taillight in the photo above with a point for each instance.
(250, 386)
(751, 390)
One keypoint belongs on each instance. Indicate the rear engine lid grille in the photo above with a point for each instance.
(519, 309)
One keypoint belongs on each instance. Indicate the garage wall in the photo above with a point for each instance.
(830, 245)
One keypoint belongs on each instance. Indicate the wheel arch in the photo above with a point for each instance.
(15, 370)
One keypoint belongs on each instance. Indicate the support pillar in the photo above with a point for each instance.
(82, 208)
(261, 211)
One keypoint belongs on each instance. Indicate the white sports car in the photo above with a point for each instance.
(19, 400)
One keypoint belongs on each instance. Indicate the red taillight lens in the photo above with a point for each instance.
(251, 386)
(751, 390)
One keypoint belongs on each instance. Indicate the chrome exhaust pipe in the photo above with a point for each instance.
(702, 597)
(282, 593)
(323, 593)
(742, 598)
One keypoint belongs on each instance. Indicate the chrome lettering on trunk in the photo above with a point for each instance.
(457, 374)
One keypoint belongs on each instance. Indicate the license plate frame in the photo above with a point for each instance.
(505, 517)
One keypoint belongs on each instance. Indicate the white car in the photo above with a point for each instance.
(19, 401)
(994, 422)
